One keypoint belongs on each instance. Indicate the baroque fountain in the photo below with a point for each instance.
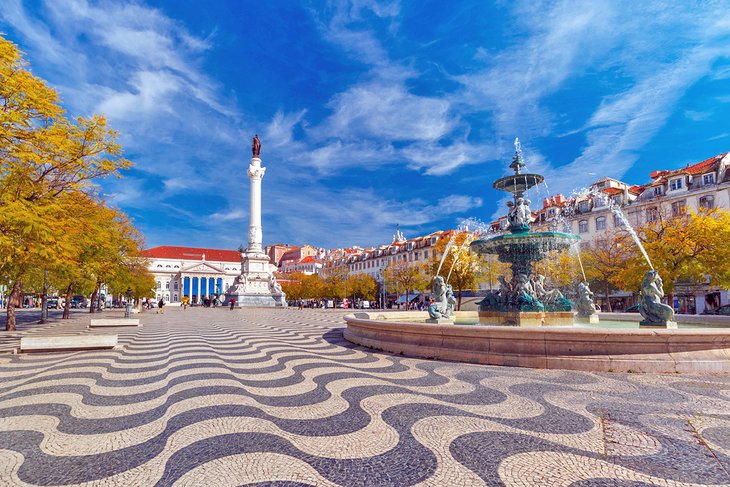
(524, 300)
(533, 311)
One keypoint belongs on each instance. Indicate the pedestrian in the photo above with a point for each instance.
(233, 303)
(161, 306)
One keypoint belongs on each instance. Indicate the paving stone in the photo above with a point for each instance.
(278, 397)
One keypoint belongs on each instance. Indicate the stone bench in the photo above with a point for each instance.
(113, 322)
(66, 342)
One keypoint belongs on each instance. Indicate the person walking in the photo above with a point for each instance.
(161, 306)
(233, 303)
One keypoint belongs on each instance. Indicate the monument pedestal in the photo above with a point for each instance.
(253, 287)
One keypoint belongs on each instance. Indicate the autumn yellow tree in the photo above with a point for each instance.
(404, 277)
(362, 286)
(46, 161)
(604, 261)
(691, 247)
(461, 268)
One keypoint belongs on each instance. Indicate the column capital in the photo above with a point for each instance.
(256, 172)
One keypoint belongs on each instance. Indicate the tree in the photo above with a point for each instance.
(691, 247)
(293, 286)
(461, 268)
(403, 277)
(362, 286)
(47, 164)
(605, 259)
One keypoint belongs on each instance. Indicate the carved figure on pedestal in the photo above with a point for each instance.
(651, 308)
(585, 304)
(519, 215)
(450, 301)
(505, 290)
(544, 295)
(274, 286)
(437, 308)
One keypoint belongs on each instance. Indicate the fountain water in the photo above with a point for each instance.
(616, 210)
(523, 301)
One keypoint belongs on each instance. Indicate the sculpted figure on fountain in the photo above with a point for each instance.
(585, 304)
(438, 308)
(655, 312)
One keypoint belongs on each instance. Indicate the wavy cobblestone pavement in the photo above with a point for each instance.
(278, 397)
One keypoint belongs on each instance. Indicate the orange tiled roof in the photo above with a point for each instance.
(191, 253)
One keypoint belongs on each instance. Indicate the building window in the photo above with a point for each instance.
(551, 213)
(675, 184)
(175, 286)
(707, 202)
(601, 223)
(657, 190)
(425, 254)
(583, 226)
(652, 214)
(167, 285)
(708, 178)
(599, 201)
(159, 285)
(617, 221)
(678, 207)
(583, 207)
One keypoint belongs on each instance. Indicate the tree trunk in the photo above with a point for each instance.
(458, 300)
(67, 304)
(407, 302)
(670, 300)
(608, 299)
(92, 306)
(13, 301)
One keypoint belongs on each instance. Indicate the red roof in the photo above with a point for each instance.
(613, 191)
(308, 259)
(705, 166)
(192, 253)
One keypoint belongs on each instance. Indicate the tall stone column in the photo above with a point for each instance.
(255, 234)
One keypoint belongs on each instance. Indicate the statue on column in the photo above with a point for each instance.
(256, 146)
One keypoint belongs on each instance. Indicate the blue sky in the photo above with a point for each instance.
(377, 114)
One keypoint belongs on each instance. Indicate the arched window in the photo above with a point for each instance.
(601, 223)
(159, 285)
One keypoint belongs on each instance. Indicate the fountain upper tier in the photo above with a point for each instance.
(518, 183)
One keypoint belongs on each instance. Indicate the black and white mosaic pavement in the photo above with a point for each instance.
(278, 397)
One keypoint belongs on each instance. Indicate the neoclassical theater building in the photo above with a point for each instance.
(194, 272)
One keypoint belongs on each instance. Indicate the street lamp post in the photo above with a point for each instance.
(128, 309)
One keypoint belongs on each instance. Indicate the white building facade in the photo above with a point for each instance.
(197, 273)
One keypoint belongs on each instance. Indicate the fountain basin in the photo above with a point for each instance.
(587, 349)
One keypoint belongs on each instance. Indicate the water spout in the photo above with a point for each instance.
(466, 242)
(616, 210)
(446, 252)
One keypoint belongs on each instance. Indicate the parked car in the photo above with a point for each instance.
(722, 310)
(52, 303)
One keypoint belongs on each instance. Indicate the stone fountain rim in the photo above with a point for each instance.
(587, 349)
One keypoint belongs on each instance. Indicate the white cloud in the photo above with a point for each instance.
(387, 111)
